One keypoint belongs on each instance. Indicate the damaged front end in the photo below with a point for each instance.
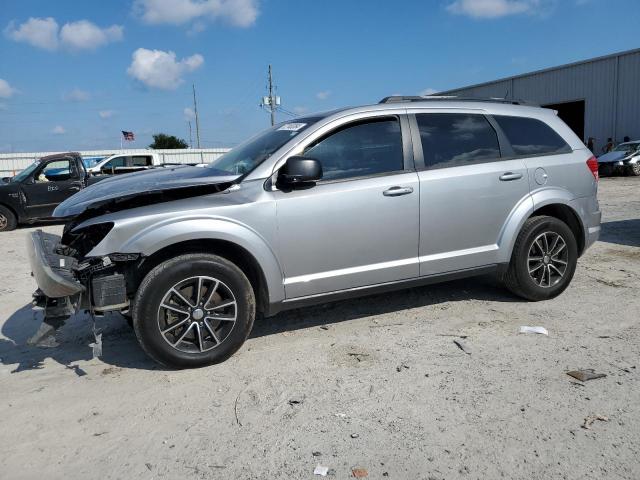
(68, 281)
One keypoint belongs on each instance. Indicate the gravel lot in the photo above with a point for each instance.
(375, 383)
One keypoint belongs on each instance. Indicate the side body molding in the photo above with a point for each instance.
(171, 231)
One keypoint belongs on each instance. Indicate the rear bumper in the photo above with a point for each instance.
(53, 272)
(590, 215)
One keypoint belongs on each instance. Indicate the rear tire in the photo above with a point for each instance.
(193, 310)
(8, 220)
(541, 268)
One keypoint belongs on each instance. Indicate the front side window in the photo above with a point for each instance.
(361, 149)
(457, 139)
(56, 171)
(529, 136)
(116, 162)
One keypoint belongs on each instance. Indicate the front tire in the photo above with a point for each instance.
(634, 169)
(544, 259)
(193, 310)
(8, 220)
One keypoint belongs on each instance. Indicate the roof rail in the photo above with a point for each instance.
(430, 98)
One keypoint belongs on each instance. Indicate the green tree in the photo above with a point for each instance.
(162, 140)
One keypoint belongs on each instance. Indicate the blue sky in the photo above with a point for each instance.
(75, 73)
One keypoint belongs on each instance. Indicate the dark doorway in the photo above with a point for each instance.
(573, 115)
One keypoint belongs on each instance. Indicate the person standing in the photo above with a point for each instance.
(609, 146)
(590, 143)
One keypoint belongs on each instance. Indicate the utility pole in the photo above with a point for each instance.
(272, 101)
(195, 111)
(190, 135)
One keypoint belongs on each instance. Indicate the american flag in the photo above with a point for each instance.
(128, 136)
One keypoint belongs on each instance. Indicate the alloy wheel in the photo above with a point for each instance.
(548, 259)
(3, 222)
(197, 314)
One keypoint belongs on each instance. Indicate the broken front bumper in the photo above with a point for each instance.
(53, 272)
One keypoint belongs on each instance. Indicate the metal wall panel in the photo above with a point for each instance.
(610, 87)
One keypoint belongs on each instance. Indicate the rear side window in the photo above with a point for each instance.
(457, 139)
(529, 136)
(357, 150)
(141, 161)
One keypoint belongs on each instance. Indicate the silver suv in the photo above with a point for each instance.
(406, 192)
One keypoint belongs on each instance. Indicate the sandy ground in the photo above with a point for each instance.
(375, 383)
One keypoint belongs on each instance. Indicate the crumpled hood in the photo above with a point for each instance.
(144, 188)
(612, 157)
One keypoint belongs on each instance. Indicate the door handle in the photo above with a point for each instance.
(74, 188)
(508, 176)
(397, 191)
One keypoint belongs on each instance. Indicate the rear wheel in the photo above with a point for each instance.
(544, 259)
(8, 220)
(193, 310)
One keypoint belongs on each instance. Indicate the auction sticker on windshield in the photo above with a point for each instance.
(292, 127)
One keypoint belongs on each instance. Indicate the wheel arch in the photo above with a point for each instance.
(228, 250)
(567, 215)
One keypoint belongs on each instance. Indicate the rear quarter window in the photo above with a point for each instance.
(530, 136)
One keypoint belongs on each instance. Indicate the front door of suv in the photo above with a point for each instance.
(358, 226)
(467, 190)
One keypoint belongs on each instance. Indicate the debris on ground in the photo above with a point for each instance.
(354, 435)
(462, 346)
(296, 401)
(324, 327)
(539, 330)
(586, 374)
(399, 368)
(359, 472)
(451, 335)
(592, 418)
(316, 454)
(358, 356)
(320, 470)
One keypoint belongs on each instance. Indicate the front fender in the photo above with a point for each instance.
(170, 232)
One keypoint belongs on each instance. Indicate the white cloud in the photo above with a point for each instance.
(240, 13)
(58, 130)
(159, 69)
(45, 33)
(76, 95)
(492, 8)
(189, 114)
(323, 95)
(84, 35)
(428, 91)
(6, 90)
(106, 113)
(39, 32)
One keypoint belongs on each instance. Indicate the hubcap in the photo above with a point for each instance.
(548, 259)
(3, 221)
(197, 314)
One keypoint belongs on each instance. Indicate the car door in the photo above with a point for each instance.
(51, 184)
(468, 189)
(116, 163)
(358, 226)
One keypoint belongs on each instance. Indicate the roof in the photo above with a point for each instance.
(60, 156)
(544, 70)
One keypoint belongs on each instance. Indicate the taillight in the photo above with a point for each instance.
(592, 163)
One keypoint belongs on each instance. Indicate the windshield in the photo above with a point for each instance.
(627, 147)
(248, 155)
(25, 173)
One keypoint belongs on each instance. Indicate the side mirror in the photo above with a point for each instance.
(300, 170)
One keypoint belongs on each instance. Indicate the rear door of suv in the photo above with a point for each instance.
(358, 226)
(468, 189)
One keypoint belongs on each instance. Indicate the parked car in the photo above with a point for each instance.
(407, 192)
(33, 193)
(125, 163)
(625, 158)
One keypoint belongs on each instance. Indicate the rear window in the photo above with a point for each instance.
(457, 139)
(529, 136)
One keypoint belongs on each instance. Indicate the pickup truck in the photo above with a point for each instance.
(36, 191)
(125, 163)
